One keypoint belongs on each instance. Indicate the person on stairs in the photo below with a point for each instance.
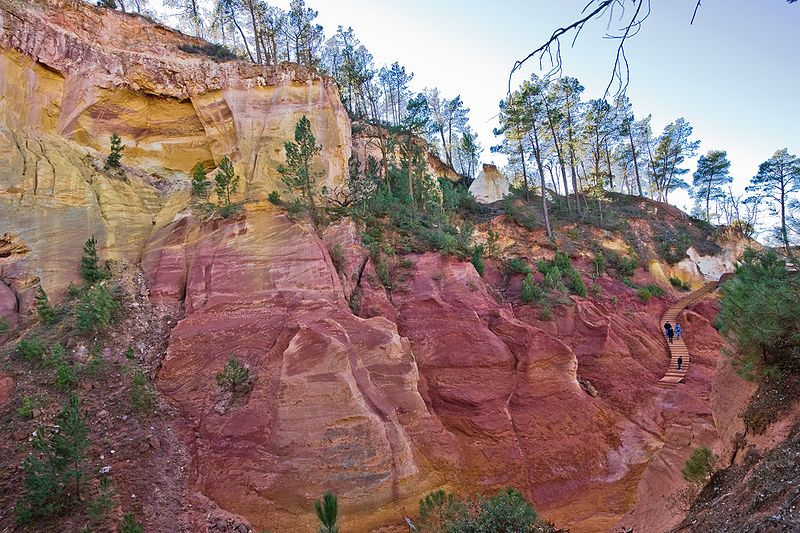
(680, 361)
(667, 327)
(670, 334)
(677, 330)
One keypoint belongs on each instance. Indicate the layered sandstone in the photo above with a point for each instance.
(71, 74)
(490, 185)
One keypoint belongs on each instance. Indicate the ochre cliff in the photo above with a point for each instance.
(72, 74)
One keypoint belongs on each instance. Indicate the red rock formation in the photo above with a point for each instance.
(6, 388)
(454, 390)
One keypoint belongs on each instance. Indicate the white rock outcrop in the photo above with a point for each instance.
(490, 185)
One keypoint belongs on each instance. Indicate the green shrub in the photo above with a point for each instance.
(599, 263)
(129, 524)
(545, 314)
(562, 261)
(56, 466)
(553, 279)
(66, 377)
(43, 307)
(596, 290)
(644, 294)
(575, 283)
(327, 511)
(655, 290)
(517, 265)
(215, 51)
(355, 301)
(679, 283)
(100, 506)
(142, 397)
(96, 308)
(531, 292)
(274, 197)
(226, 182)
(699, 466)
(28, 404)
(115, 156)
(55, 357)
(73, 291)
(31, 348)
(477, 259)
(234, 377)
(438, 510)
(5, 326)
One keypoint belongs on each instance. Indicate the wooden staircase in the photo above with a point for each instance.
(678, 347)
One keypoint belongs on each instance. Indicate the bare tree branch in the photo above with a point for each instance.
(695, 12)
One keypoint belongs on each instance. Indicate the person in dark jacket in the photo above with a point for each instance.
(680, 361)
(670, 334)
(667, 327)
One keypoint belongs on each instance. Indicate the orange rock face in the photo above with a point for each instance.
(454, 390)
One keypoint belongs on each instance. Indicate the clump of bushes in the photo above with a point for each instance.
(624, 265)
(648, 291)
(699, 466)
(678, 283)
(559, 269)
(142, 397)
(217, 52)
(477, 259)
(517, 265)
(96, 309)
(31, 348)
(508, 510)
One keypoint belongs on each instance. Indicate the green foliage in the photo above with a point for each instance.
(672, 245)
(699, 466)
(57, 465)
(531, 292)
(521, 215)
(96, 308)
(599, 263)
(648, 291)
(596, 290)
(554, 280)
(200, 183)
(517, 265)
(234, 377)
(73, 291)
(274, 197)
(297, 175)
(624, 265)
(55, 357)
(438, 511)
(91, 272)
(678, 283)
(43, 307)
(226, 182)
(100, 506)
(546, 314)
(492, 246)
(760, 314)
(355, 301)
(508, 511)
(5, 326)
(31, 349)
(115, 156)
(129, 524)
(217, 52)
(29, 404)
(477, 259)
(66, 376)
(575, 283)
(142, 396)
(327, 511)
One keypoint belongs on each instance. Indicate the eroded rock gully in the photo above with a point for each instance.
(455, 390)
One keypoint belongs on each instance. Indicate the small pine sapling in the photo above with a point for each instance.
(327, 511)
(200, 183)
(235, 377)
(43, 307)
(115, 156)
(91, 272)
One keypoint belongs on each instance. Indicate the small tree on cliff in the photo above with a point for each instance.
(297, 174)
(43, 307)
(114, 158)
(235, 377)
(200, 183)
(91, 272)
(327, 510)
(227, 182)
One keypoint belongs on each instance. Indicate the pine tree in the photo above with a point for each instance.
(235, 377)
(200, 183)
(297, 174)
(227, 182)
(91, 272)
(43, 307)
(57, 464)
(114, 158)
(777, 178)
(711, 175)
(327, 511)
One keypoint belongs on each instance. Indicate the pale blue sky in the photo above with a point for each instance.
(734, 74)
